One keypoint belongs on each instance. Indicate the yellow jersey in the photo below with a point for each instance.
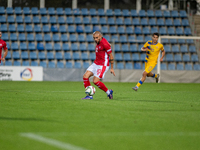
(153, 51)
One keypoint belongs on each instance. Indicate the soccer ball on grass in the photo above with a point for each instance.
(90, 90)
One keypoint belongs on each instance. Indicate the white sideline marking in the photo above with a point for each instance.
(51, 142)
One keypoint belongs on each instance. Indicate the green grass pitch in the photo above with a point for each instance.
(157, 116)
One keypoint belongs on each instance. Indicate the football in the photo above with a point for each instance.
(90, 90)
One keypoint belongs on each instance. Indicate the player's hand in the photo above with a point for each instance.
(3, 59)
(144, 49)
(112, 71)
(161, 59)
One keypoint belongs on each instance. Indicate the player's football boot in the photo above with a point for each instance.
(135, 88)
(88, 97)
(111, 94)
(157, 79)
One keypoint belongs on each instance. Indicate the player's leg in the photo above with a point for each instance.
(153, 75)
(144, 75)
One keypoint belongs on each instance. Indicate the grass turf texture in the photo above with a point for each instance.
(158, 116)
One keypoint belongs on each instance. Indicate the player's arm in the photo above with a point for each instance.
(145, 47)
(5, 53)
(163, 54)
(112, 63)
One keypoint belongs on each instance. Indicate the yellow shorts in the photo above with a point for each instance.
(149, 66)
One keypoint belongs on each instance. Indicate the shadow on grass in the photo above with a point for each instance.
(24, 119)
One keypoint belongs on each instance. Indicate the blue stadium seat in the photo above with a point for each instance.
(120, 65)
(27, 19)
(184, 49)
(71, 29)
(94, 20)
(136, 22)
(11, 28)
(181, 41)
(174, 14)
(118, 57)
(60, 64)
(192, 49)
(129, 30)
(4, 28)
(188, 66)
(127, 57)
(64, 38)
(154, 29)
(45, 28)
(113, 30)
(190, 41)
(125, 48)
(70, 20)
(177, 57)
(47, 37)
(72, 38)
(76, 56)
(9, 10)
(57, 47)
(111, 21)
(171, 31)
(185, 22)
(143, 57)
(163, 66)
(135, 57)
(123, 39)
(76, 12)
(17, 63)
(86, 65)
(196, 66)
(78, 20)
(56, 37)
(62, 29)
(40, 46)
(89, 38)
(24, 55)
(23, 46)
(2, 19)
(168, 22)
(52, 20)
(10, 19)
(61, 20)
(67, 56)
(104, 29)
(133, 48)
(81, 38)
(140, 39)
(88, 29)
(127, 21)
(16, 55)
(177, 22)
(150, 13)
(146, 30)
(19, 19)
(30, 37)
(138, 30)
(36, 20)
(107, 37)
(31, 46)
(51, 11)
(43, 11)
(171, 66)
(117, 48)
(144, 22)
(194, 58)
(43, 64)
(5, 37)
(93, 12)
(121, 30)
(142, 13)
(37, 28)
(29, 28)
(115, 38)
(84, 56)
(187, 31)
(48, 47)
(68, 11)
(74, 47)
(175, 48)
(54, 28)
(84, 12)
(2, 10)
(129, 66)
(50, 55)
(18, 10)
(152, 22)
(119, 21)
(183, 14)
(96, 28)
(101, 12)
(26, 11)
(83, 47)
(169, 57)
(51, 64)
(163, 31)
(14, 46)
(66, 47)
(137, 65)
(33, 55)
(86, 20)
(186, 57)
(166, 14)
(20, 28)
(8, 45)
(179, 31)
(134, 13)
(77, 65)
(147, 38)
(117, 12)
(92, 56)
(34, 11)
(109, 12)
(173, 41)
(69, 65)
(91, 47)
(160, 22)
(9, 56)
(44, 20)
(8, 63)
(125, 13)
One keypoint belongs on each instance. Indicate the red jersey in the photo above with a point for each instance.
(2, 45)
(102, 50)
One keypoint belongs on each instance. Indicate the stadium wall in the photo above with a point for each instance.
(167, 76)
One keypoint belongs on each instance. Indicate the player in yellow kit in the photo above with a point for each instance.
(152, 49)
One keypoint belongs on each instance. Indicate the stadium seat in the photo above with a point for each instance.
(137, 65)
(31, 46)
(11, 28)
(76, 12)
(8, 55)
(23, 46)
(34, 63)
(51, 11)
(144, 22)
(44, 20)
(45, 28)
(36, 20)
(77, 65)
(175, 48)
(147, 38)
(160, 22)
(171, 66)
(67, 56)
(129, 30)
(177, 22)
(8, 63)
(140, 39)
(127, 21)
(60, 64)
(54, 28)
(152, 22)
(84, 12)
(113, 30)
(117, 12)
(89, 38)
(101, 12)
(138, 30)
(2, 19)
(14, 46)
(56, 37)
(74, 47)
(26, 11)
(154, 29)
(77, 20)
(134, 13)
(194, 58)
(109, 12)
(41, 55)
(50, 55)
(47, 37)
(84, 56)
(52, 20)
(125, 13)
(166, 14)
(43, 64)
(183, 14)
(94, 21)
(4, 28)
(163, 66)
(27, 19)
(188, 66)
(104, 29)
(118, 57)
(37, 28)
(76, 56)
(123, 39)
(92, 56)
(33, 55)
(179, 67)
(119, 21)
(24, 55)
(96, 28)
(196, 66)
(120, 65)
(59, 56)
(10, 19)
(69, 65)
(68, 11)
(143, 57)
(181, 41)
(93, 12)
(192, 49)
(30, 37)
(146, 30)
(40, 46)
(17, 63)
(5, 37)
(51, 64)
(62, 29)
(69, 20)
(20, 28)
(9, 10)
(173, 41)
(15, 55)
(136, 22)
(43, 11)
(19, 19)
(81, 38)
(163, 31)
(186, 58)
(71, 29)
(127, 57)
(129, 66)
(2, 10)
(88, 29)
(174, 14)
(142, 13)
(111, 21)
(185, 22)
(38, 37)
(65, 47)
(86, 65)
(72, 38)
(184, 49)
(34, 11)
(177, 58)
(57, 47)
(170, 31)
(86, 20)
(64, 38)
(135, 57)
(115, 38)
(107, 37)
(169, 57)
(121, 30)
(125, 48)
(150, 13)
(82, 47)
(61, 20)
(179, 31)
(168, 22)
(91, 47)
(187, 31)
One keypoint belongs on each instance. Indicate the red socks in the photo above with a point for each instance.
(86, 82)
(101, 86)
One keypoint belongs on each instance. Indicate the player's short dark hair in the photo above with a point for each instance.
(156, 33)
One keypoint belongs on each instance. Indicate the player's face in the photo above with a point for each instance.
(155, 38)
(97, 38)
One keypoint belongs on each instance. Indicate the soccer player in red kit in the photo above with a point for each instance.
(100, 66)
(3, 45)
